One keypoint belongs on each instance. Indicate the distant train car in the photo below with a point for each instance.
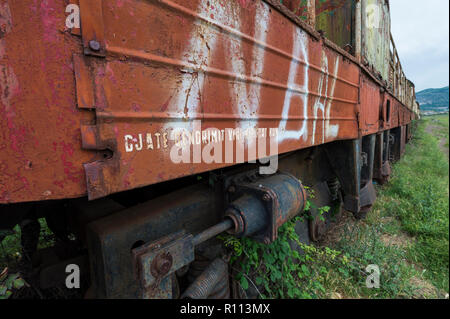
(141, 130)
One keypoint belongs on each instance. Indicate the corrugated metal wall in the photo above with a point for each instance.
(376, 35)
(298, 7)
(362, 28)
(336, 18)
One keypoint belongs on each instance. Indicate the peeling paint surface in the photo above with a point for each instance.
(336, 19)
(37, 105)
(229, 68)
(77, 122)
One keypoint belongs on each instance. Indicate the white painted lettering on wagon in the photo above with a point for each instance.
(318, 105)
(299, 49)
(325, 106)
(147, 141)
(199, 51)
(332, 130)
(246, 99)
(201, 48)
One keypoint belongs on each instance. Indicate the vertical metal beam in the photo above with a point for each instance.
(92, 27)
(312, 13)
(363, 27)
(358, 26)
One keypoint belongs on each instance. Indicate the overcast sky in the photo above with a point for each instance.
(421, 30)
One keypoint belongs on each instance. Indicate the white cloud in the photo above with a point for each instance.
(421, 31)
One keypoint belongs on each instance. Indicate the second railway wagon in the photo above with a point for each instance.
(142, 129)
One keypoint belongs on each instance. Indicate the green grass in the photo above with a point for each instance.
(413, 211)
(418, 197)
(363, 243)
(441, 121)
(10, 248)
(405, 235)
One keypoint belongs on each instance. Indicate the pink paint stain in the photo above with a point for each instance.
(244, 3)
(60, 184)
(116, 131)
(49, 20)
(136, 107)
(126, 181)
(166, 105)
(182, 20)
(9, 86)
(71, 172)
(110, 74)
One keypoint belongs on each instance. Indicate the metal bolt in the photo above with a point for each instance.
(161, 264)
(94, 45)
(266, 197)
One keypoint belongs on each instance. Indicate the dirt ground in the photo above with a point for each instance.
(435, 130)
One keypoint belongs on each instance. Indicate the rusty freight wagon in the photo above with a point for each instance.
(142, 129)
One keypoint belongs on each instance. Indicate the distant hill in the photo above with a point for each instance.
(435, 100)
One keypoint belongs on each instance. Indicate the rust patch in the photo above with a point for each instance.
(229, 64)
(92, 27)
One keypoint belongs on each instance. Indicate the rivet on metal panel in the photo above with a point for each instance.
(92, 27)
(94, 45)
(161, 264)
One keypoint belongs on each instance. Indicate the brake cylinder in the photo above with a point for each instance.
(259, 207)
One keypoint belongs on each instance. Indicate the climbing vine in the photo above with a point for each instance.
(287, 268)
(9, 283)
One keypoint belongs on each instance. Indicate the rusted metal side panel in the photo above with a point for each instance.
(298, 7)
(337, 19)
(405, 115)
(40, 154)
(376, 35)
(399, 113)
(100, 105)
(303, 9)
(395, 113)
(386, 111)
(223, 63)
(370, 107)
(391, 80)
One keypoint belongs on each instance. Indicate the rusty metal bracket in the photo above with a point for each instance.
(99, 136)
(111, 239)
(92, 27)
(260, 204)
(258, 207)
(84, 83)
(98, 173)
(156, 261)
